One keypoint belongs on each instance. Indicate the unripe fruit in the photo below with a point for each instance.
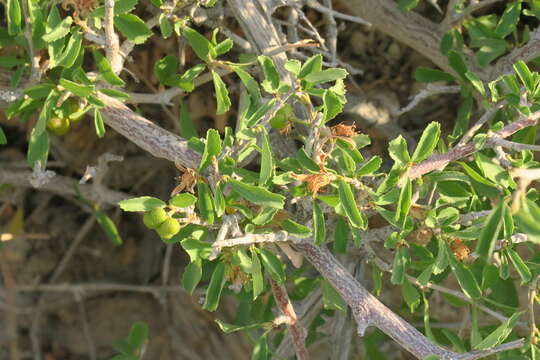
(153, 218)
(71, 106)
(280, 120)
(58, 125)
(168, 228)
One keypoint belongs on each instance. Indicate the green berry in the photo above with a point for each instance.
(168, 228)
(280, 120)
(58, 125)
(153, 218)
(71, 107)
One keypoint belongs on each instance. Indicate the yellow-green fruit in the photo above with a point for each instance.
(72, 106)
(280, 120)
(58, 125)
(153, 218)
(168, 228)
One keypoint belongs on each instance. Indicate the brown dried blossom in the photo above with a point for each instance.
(187, 180)
(460, 250)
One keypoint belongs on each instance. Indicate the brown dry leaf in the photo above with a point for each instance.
(186, 181)
(340, 130)
(460, 250)
(315, 181)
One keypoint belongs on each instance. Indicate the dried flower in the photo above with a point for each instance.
(186, 181)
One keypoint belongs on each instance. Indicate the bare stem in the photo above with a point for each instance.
(297, 333)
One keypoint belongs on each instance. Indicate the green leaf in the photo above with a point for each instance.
(14, 16)
(105, 69)
(212, 148)
(38, 147)
(39, 91)
(348, 202)
(166, 68)
(404, 201)
(307, 162)
(257, 195)
(397, 150)
(427, 142)
(205, 203)
(198, 42)
(3, 139)
(222, 94)
(476, 82)
(313, 64)
(45, 113)
(491, 49)
(466, 279)
(186, 81)
(187, 129)
(230, 328)
(249, 82)
(98, 123)
(456, 62)
(490, 232)
(60, 31)
(108, 227)
(509, 19)
(192, 276)
(407, 5)
(213, 293)
(519, 264)
(143, 203)
(273, 265)
(527, 219)
(219, 201)
(183, 200)
(267, 160)
(260, 350)
(500, 334)
(256, 274)
(117, 94)
(332, 105)
(120, 7)
(331, 298)
(295, 228)
(132, 27)
(525, 75)
(271, 75)
(165, 26)
(138, 334)
(70, 53)
(319, 224)
(341, 235)
(78, 89)
(490, 275)
(423, 74)
(293, 66)
(401, 261)
(410, 295)
(223, 47)
(326, 75)
(372, 165)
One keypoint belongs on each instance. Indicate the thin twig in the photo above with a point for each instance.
(35, 71)
(112, 44)
(439, 161)
(429, 91)
(327, 10)
(297, 333)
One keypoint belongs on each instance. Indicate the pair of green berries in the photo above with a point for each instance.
(158, 219)
(61, 119)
